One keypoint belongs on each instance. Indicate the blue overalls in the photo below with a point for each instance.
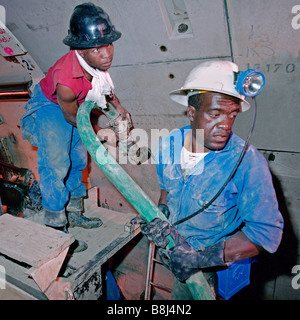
(61, 154)
(249, 197)
(248, 201)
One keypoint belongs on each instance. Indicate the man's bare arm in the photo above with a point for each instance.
(239, 247)
(68, 103)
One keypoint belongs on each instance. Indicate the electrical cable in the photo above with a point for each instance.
(231, 174)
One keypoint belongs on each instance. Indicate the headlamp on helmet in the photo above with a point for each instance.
(250, 82)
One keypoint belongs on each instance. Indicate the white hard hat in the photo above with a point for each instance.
(217, 76)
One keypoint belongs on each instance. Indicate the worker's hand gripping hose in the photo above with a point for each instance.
(126, 143)
(130, 190)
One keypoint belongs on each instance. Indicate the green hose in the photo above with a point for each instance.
(129, 189)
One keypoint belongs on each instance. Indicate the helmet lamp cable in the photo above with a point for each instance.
(231, 174)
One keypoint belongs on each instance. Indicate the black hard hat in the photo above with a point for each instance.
(90, 27)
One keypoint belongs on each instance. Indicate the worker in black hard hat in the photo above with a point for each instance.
(49, 122)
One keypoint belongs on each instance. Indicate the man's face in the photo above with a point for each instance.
(216, 116)
(98, 57)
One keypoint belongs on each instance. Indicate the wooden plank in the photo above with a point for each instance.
(30, 242)
(60, 290)
(102, 242)
(48, 272)
(16, 275)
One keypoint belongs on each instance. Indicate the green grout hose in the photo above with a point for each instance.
(130, 190)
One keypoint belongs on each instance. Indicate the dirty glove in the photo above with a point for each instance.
(183, 260)
(164, 209)
(156, 230)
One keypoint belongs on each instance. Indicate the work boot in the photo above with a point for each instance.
(75, 204)
(46, 217)
(77, 219)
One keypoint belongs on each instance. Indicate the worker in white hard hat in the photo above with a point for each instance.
(243, 220)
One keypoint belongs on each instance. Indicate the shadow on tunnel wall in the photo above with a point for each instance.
(267, 267)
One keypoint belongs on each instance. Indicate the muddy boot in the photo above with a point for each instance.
(46, 217)
(78, 246)
(56, 219)
(75, 204)
(77, 219)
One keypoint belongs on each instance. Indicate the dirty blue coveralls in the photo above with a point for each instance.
(61, 155)
(248, 202)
